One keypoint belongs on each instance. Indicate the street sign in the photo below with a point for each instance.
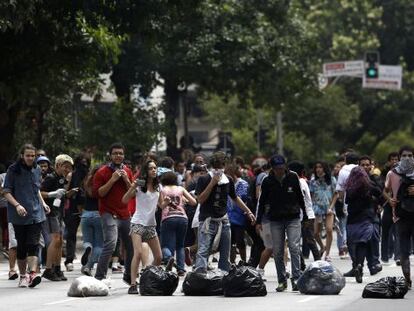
(389, 78)
(346, 68)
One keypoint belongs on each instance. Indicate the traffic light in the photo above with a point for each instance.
(372, 61)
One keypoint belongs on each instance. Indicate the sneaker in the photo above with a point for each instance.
(350, 274)
(50, 275)
(69, 267)
(61, 276)
(181, 273)
(281, 287)
(34, 279)
(294, 286)
(85, 256)
(133, 290)
(188, 260)
(127, 278)
(86, 271)
(23, 282)
(13, 275)
(170, 264)
(375, 269)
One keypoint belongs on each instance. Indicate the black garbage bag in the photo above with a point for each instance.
(388, 287)
(321, 278)
(155, 281)
(243, 281)
(203, 284)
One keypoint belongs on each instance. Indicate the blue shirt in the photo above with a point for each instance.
(23, 183)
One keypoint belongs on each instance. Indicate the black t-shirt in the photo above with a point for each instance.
(216, 204)
(53, 182)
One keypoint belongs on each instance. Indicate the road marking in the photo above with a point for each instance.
(308, 299)
(60, 301)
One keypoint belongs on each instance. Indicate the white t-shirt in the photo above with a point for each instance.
(342, 179)
(343, 176)
(307, 198)
(146, 206)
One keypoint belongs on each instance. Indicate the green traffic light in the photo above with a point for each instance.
(372, 72)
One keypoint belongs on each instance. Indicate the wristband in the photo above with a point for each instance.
(17, 205)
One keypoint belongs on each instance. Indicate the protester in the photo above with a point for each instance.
(26, 211)
(110, 183)
(361, 198)
(174, 220)
(282, 193)
(214, 228)
(143, 224)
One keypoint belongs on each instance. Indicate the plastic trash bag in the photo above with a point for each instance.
(243, 281)
(321, 278)
(87, 286)
(203, 284)
(155, 281)
(388, 287)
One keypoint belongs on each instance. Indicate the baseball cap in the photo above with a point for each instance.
(277, 160)
(62, 158)
(43, 159)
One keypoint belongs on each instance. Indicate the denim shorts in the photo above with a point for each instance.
(146, 232)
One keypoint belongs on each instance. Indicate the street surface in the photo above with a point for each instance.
(53, 296)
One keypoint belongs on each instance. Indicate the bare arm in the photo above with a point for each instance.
(132, 191)
(189, 198)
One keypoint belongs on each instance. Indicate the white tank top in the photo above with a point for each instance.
(146, 206)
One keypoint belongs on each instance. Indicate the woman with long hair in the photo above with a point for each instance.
(361, 196)
(143, 223)
(174, 220)
(322, 188)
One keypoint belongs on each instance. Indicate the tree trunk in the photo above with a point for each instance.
(171, 114)
(7, 129)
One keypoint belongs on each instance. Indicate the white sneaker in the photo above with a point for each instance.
(69, 267)
(23, 281)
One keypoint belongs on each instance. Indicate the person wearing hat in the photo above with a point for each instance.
(45, 166)
(281, 201)
(54, 191)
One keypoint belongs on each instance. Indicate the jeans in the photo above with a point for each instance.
(205, 241)
(173, 231)
(92, 235)
(72, 222)
(112, 227)
(279, 230)
(341, 238)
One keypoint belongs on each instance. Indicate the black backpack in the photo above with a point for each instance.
(406, 202)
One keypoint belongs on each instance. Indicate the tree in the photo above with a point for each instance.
(50, 50)
(254, 49)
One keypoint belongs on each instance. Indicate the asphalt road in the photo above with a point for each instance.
(53, 296)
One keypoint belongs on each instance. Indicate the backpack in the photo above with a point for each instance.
(406, 202)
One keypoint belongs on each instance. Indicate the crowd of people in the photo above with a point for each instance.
(181, 214)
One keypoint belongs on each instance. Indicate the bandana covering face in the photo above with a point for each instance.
(406, 167)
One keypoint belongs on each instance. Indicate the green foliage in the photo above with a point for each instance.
(125, 121)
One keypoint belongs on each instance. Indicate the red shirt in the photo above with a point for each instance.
(112, 202)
